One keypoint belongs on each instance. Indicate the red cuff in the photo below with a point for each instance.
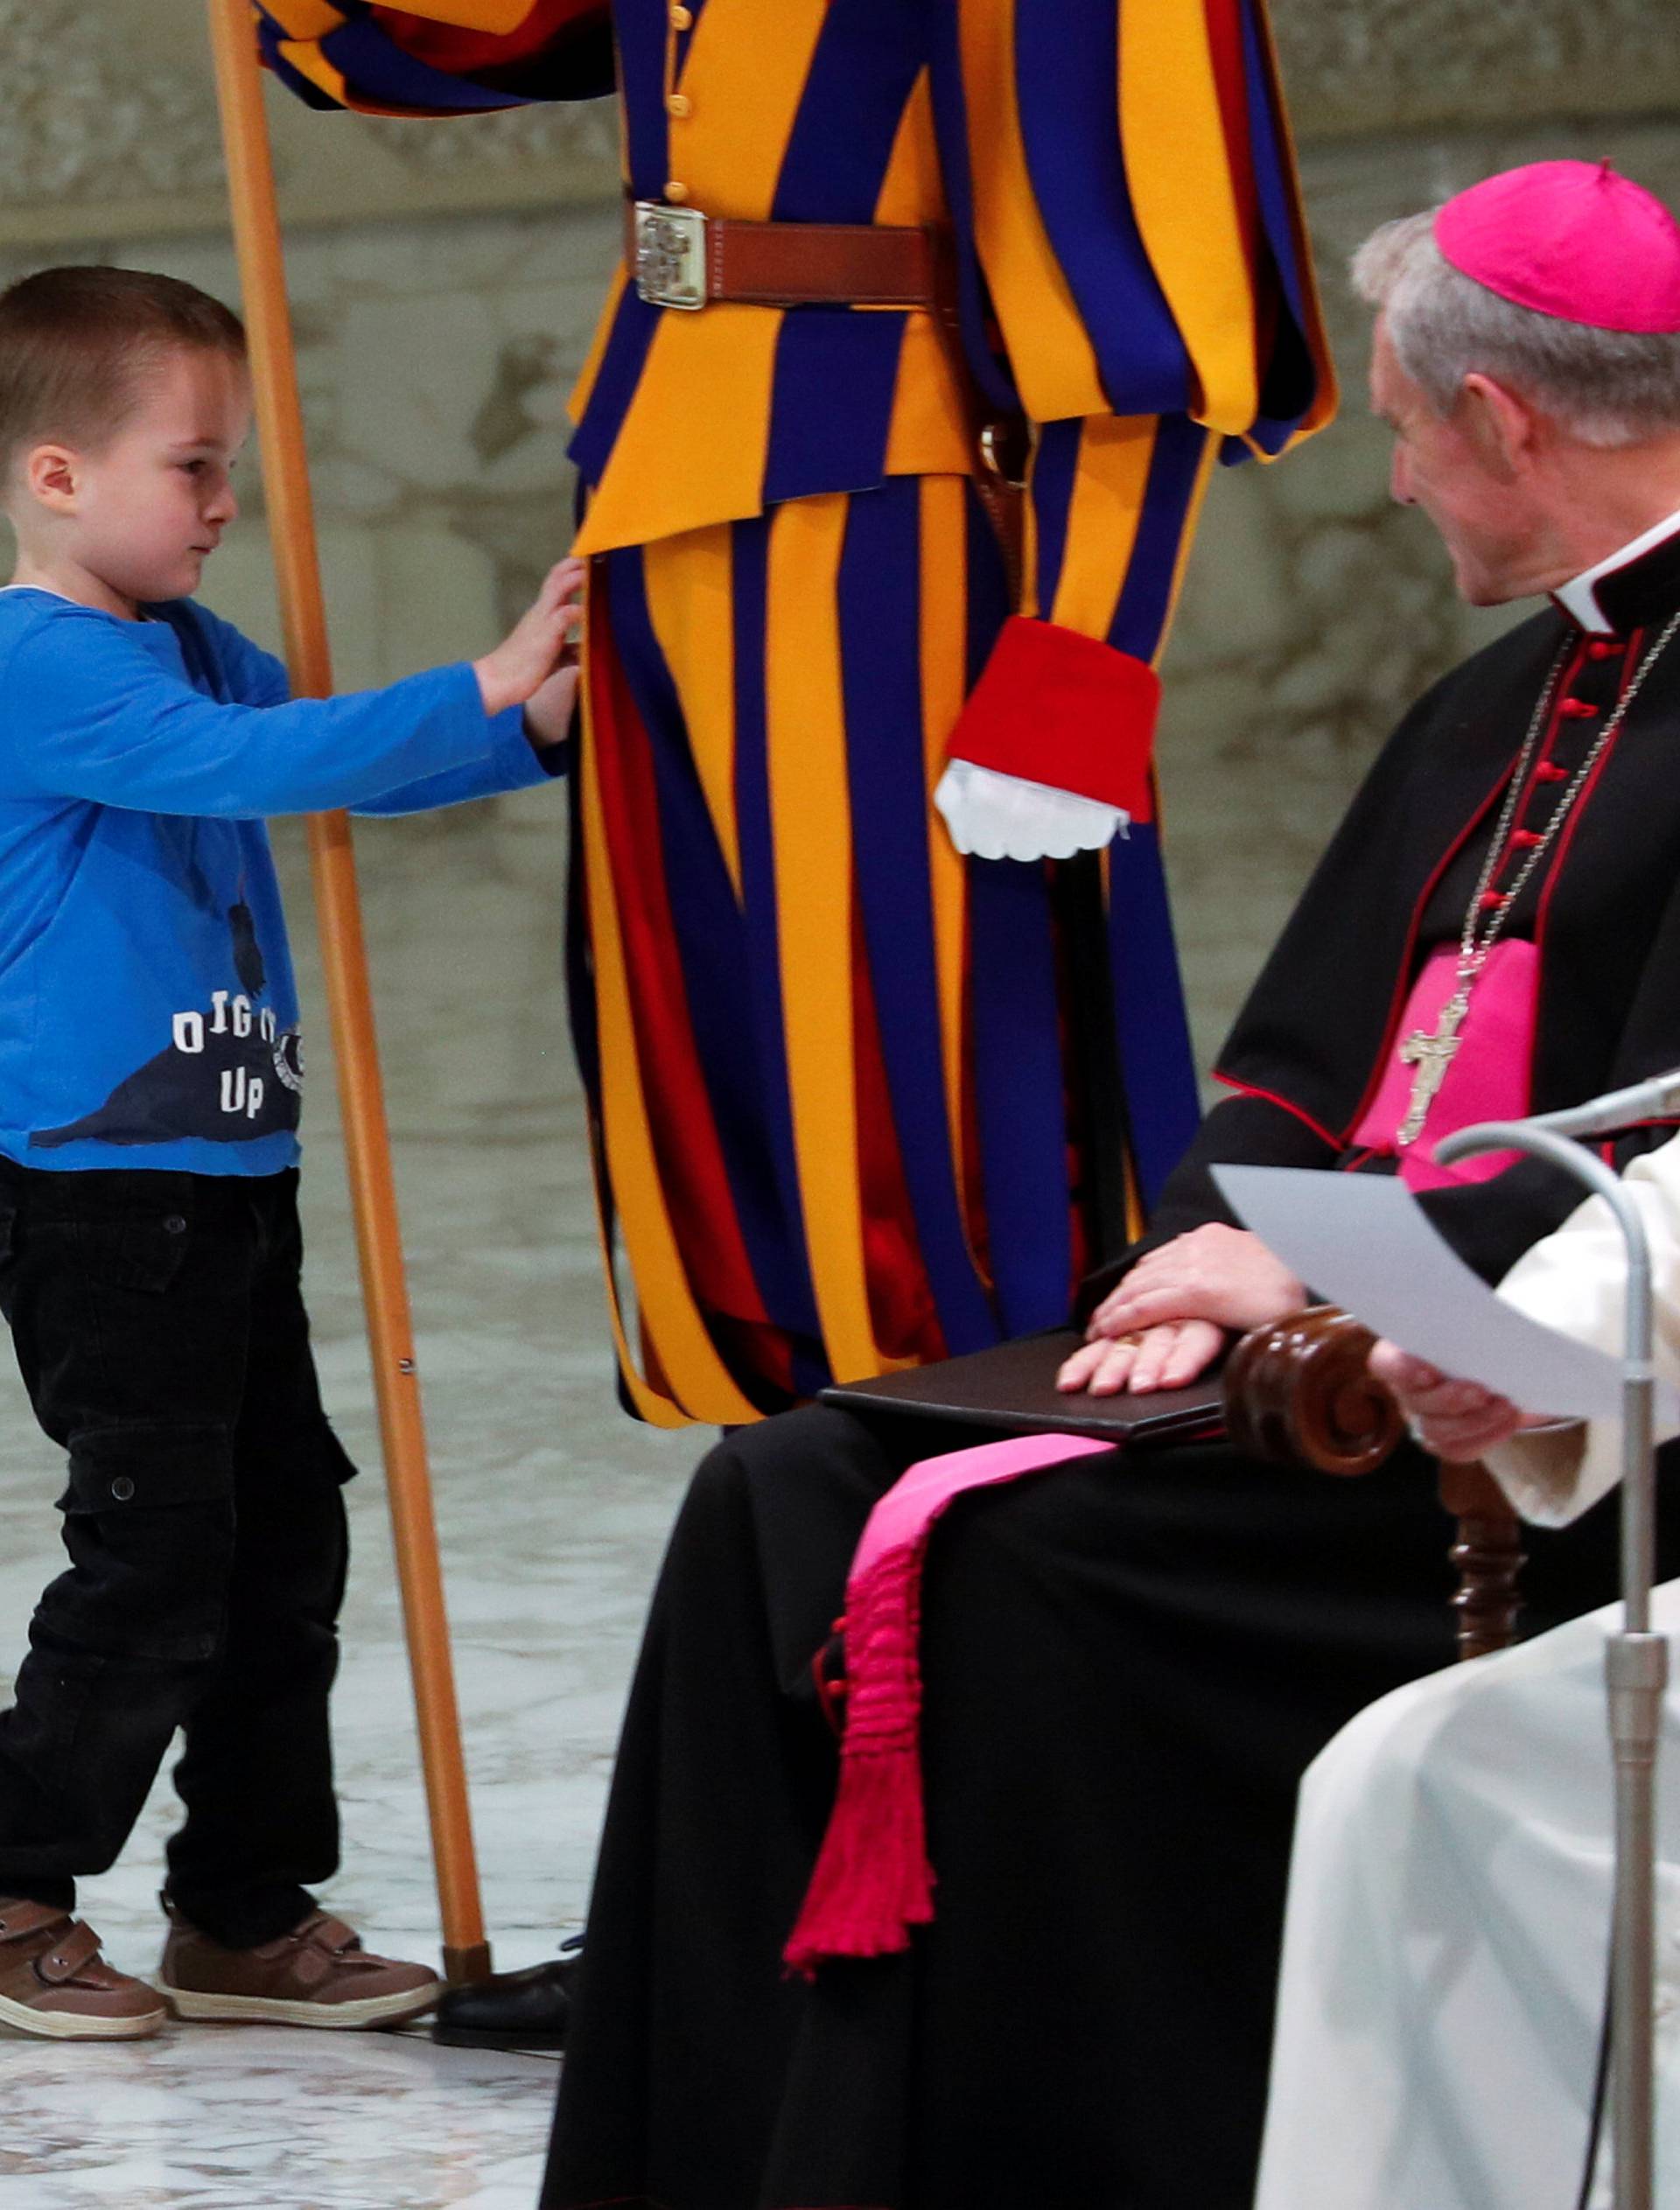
(1060, 708)
(459, 51)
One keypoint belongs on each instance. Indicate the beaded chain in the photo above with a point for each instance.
(1431, 1055)
(1472, 954)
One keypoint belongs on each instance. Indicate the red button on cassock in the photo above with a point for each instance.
(1605, 648)
(1577, 709)
(1550, 772)
(1526, 839)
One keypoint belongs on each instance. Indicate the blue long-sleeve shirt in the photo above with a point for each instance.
(148, 1009)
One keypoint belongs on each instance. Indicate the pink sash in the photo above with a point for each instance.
(1489, 1077)
(872, 1881)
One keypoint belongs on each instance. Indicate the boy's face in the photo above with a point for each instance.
(141, 513)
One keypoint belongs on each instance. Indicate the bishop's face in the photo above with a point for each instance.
(1459, 479)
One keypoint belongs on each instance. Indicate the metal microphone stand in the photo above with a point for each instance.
(1637, 1662)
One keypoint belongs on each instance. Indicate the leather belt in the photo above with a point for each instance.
(684, 259)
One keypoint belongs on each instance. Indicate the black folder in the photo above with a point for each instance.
(1013, 1388)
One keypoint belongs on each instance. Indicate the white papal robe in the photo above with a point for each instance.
(1444, 1961)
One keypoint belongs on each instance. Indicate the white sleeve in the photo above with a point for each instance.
(1574, 1281)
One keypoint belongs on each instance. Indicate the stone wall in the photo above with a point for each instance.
(444, 280)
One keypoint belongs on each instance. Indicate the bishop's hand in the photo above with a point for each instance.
(1155, 1358)
(1167, 1321)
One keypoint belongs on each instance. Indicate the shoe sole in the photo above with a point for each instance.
(483, 2038)
(72, 2025)
(268, 2010)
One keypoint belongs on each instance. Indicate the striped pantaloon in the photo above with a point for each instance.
(826, 1057)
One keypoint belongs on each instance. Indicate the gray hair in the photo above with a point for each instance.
(1605, 386)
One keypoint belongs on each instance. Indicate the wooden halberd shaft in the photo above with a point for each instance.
(291, 528)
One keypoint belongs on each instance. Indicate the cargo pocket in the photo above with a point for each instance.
(292, 1516)
(132, 1231)
(149, 1523)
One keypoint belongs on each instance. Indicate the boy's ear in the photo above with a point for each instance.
(51, 475)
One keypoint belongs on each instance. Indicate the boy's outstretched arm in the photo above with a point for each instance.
(95, 716)
(538, 752)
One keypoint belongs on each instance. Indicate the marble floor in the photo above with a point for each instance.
(552, 1509)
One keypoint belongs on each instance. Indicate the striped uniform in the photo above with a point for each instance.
(835, 1129)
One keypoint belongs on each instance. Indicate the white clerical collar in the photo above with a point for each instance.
(1580, 597)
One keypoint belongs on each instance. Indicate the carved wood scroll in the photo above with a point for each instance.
(1298, 1393)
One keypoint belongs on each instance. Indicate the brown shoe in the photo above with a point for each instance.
(318, 1974)
(54, 1982)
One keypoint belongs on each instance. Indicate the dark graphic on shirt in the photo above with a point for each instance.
(228, 1074)
(248, 953)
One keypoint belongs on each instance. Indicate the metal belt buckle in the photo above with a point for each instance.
(670, 255)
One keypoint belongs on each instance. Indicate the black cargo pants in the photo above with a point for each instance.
(159, 1327)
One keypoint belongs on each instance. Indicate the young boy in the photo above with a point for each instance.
(149, 1103)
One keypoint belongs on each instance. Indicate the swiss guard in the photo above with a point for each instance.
(885, 261)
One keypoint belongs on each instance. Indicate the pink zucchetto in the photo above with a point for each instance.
(1571, 238)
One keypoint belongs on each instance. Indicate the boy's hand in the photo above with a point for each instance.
(549, 708)
(536, 646)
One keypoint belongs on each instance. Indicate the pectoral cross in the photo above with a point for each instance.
(1432, 1056)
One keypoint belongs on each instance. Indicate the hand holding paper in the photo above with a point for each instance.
(1363, 1241)
(1456, 1419)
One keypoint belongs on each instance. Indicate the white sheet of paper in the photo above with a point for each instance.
(1363, 1241)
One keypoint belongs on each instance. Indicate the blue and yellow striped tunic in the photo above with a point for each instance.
(828, 1058)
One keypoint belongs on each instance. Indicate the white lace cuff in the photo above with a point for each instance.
(996, 816)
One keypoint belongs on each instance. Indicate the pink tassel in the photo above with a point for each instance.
(872, 1881)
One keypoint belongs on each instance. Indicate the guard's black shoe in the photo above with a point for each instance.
(529, 2009)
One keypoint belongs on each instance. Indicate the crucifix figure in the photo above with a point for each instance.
(1432, 1056)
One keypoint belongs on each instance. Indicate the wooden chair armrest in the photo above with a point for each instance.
(1298, 1393)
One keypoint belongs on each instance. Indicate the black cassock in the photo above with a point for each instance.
(1127, 1667)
